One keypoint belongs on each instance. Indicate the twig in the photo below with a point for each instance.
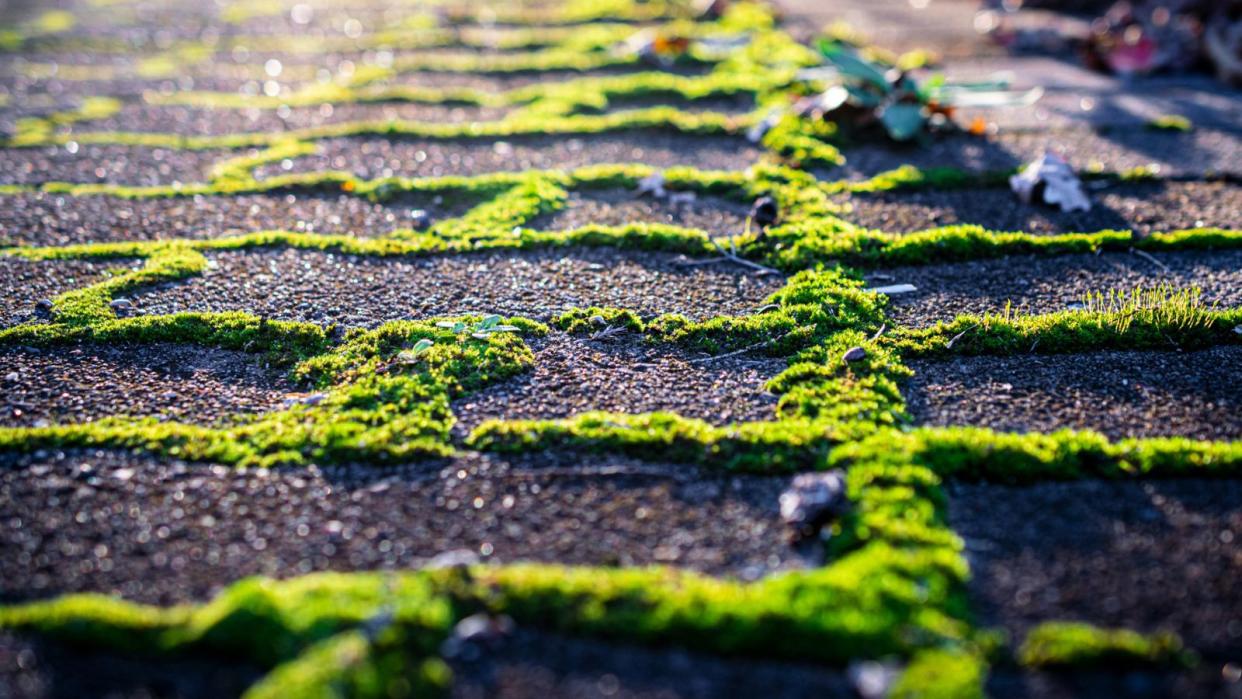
(1171, 342)
(733, 257)
(694, 263)
(608, 332)
(726, 256)
(955, 338)
(878, 333)
(751, 348)
(1150, 258)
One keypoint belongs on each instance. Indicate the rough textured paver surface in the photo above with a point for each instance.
(508, 348)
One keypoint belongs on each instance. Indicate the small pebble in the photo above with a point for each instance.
(764, 212)
(812, 500)
(420, 219)
(855, 354)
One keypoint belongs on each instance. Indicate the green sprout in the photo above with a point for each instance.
(409, 356)
(1160, 306)
(481, 330)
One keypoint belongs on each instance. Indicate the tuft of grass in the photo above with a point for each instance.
(1163, 306)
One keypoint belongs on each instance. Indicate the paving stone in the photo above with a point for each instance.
(1076, 550)
(289, 284)
(164, 531)
(1120, 394)
(1033, 284)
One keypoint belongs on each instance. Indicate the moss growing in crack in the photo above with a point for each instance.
(1171, 122)
(679, 121)
(972, 453)
(838, 241)
(761, 447)
(821, 384)
(283, 342)
(240, 170)
(1068, 644)
(534, 195)
(942, 674)
(91, 304)
(353, 665)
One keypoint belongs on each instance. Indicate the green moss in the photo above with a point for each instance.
(591, 320)
(1171, 122)
(351, 665)
(942, 674)
(1070, 644)
(972, 453)
(838, 241)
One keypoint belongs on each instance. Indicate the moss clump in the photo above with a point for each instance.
(972, 453)
(942, 674)
(1070, 644)
(1171, 122)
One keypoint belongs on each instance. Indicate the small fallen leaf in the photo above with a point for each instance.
(756, 132)
(652, 184)
(1050, 180)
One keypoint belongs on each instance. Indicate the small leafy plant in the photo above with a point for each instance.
(481, 330)
(409, 356)
(866, 93)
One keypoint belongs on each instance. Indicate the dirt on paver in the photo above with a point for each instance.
(626, 374)
(201, 121)
(290, 284)
(370, 158)
(1144, 207)
(617, 207)
(1197, 153)
(1037, 284)
(40, 218)
(528, 664)
(33, 668)
(122, 165)
(1120, 394)
(1207, 681)
(87, 382)
(163, 531)
(1158, 554)
(532, 664)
